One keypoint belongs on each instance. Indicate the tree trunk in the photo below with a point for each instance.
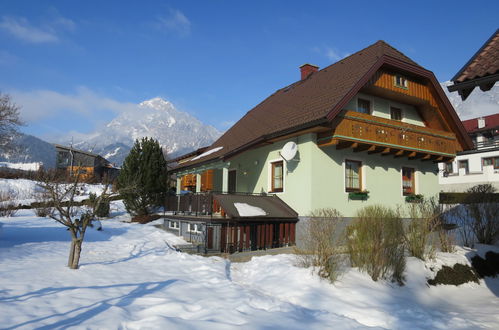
(76, 253)
(71, 253)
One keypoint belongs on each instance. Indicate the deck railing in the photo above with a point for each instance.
(196, 204)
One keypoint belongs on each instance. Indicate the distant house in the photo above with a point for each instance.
(88, 165)
(479, 165)
(369, 129)
(481, 70)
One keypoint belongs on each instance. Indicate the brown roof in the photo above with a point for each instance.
(318, 98)
(491, 121)
(485, 62)
(481, 70)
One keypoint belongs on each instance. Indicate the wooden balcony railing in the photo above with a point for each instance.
(377, 134)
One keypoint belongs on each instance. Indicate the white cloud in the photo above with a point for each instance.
(176, 22)
(42, 104)
(331, 53)
(21, 28)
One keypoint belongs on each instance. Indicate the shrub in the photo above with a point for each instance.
(146, 218)
(457, 275)
(478, 217)
(424, 221)
(321, 243)
(100, 208)
(488, 266)
(7, 205)
(375, 242)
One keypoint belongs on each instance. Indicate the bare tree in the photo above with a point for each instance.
(9, 120)
(65, 210)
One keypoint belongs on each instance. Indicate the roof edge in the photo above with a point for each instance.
(474, 56)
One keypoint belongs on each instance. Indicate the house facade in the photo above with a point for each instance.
(369, 129)
(86, 164)
(479, 165)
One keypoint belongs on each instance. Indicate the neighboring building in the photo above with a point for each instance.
(366, 130)
(481, 70)
(86, 164)
(477, 166)
(480, 165)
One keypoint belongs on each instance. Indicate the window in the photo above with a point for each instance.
(277, 176)
(193, 228)
(494, 161)
(464, 164)
(408, 185)
(353, 175)
(363, 106)
(395, 113)
(400, 81)
(173, 224)
(448, 167)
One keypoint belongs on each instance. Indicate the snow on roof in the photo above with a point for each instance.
(246, 210)
(206, 153)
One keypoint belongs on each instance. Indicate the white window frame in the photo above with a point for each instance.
(405, 81)
(173, 224)
(193, 228)
(363, 183)
(269, 176)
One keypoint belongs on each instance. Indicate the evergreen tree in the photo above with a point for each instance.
(143, 177)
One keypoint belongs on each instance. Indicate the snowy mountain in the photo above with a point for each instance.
(178, 132)
(477, 104)
(29, 149)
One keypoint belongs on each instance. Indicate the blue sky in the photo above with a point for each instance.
(74, 65)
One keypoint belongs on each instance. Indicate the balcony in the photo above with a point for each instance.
(363, 132)
(233, 207)
(486, 144)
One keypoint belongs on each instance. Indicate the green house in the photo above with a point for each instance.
(369, 129)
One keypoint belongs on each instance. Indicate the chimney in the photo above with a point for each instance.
(481, 122)
(307, 69)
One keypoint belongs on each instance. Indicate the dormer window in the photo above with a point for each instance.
(401, 81)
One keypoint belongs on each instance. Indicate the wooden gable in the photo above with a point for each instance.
(418, 92)
(364, 132)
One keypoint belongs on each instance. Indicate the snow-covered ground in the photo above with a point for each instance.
(27, 191)
(130, 277)
(22, 166)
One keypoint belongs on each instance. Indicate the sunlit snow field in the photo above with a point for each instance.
(130, 277)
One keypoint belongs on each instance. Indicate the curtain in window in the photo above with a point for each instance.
(408, 181)
(278, 174)
(352, 175)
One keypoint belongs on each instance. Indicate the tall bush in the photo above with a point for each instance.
(426, 220)
(142, 181)
(375, 242)
(321, 243)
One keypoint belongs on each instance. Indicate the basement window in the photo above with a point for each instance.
(400, 81)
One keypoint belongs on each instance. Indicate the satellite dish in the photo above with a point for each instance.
(289, 151)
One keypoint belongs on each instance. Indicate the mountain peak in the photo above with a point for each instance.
(157, 103)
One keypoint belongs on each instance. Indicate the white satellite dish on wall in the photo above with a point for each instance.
(289, 151)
